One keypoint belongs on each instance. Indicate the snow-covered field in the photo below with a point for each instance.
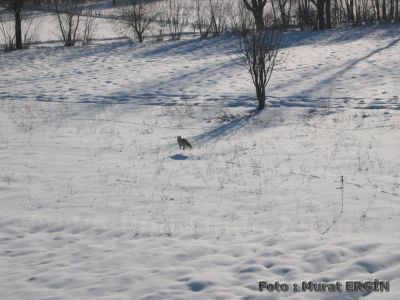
(98, 202)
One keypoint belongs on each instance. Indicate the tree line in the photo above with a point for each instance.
(70, 25)
(206, 17)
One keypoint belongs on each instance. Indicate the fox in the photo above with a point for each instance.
(183, 143)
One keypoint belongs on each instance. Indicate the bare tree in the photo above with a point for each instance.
(328, 16)
(89, 26)
(285, 7)
(240, 18)
(320, 6)
(7, 31)
(306, 17)
(202, 17)
(217, 16)
(75, 20)
(137, 17)
(219, 9)
(27, 29)
(16, 7)
(176, 17)
(257, 8)
(259, 51)
(69, 17)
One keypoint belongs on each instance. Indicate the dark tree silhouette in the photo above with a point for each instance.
(15, 7)
(257, 8)
(259, 50)
(137, 17)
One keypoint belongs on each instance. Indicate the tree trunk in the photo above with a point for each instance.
(391, 10)
(140, 37)
(257, 8)
(321, 14)
(350, 11)
(282, 9)
(18, 29)
(328, 14)
(384, 16)
(274, 12)
(260, 90)
(378, 14)
(259, 18)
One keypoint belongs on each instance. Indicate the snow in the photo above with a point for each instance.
(98, 202)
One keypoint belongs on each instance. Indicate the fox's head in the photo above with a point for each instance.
(179, 137)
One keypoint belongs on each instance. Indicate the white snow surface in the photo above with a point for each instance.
(98, 202)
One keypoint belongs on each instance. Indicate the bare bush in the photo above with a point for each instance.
(240, 19)
(15, 7)
(29, 29)
(136, 17)
(212, 16)
(219, 10)
(202, 17)
(20, 33)
(76, 21)
(285, 8)
(258, 51)
(69, 16)
(7, 32)
(306, 16)
(175, 17)
(89, 27)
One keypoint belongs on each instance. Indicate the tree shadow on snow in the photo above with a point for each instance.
(224, 129)
(338, 74)
(340, 35)
(211, 46)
